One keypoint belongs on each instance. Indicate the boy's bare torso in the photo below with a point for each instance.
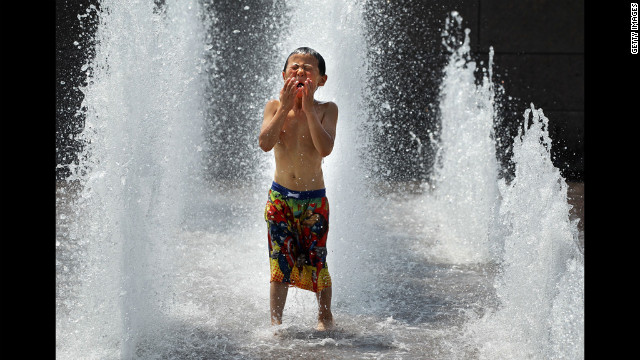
(298, 163)
(300, 129)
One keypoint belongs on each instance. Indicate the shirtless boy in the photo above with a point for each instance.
(301, 132)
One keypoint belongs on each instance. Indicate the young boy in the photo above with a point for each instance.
(301, 132)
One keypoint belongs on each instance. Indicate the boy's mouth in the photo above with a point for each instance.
(300, 85)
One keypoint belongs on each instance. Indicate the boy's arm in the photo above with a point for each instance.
(274, 117)
(275, 113)
(323, 131)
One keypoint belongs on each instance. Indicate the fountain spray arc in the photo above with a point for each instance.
(522, 224)
(541, 284)
(465, 175)
(336, 31)
(138, 170)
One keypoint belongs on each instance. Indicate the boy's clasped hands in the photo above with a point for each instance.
(293, 89)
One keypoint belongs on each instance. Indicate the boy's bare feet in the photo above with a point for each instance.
(325, 317)
(325, 322)
(278, 295)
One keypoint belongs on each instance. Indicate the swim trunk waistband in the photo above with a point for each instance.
(312, 194)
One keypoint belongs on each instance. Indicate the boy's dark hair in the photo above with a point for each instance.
(309, 51)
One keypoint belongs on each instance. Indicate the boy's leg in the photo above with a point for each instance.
(278, 296)
(325, 317)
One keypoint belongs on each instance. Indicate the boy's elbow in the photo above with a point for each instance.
(264, 145)
(327, 151)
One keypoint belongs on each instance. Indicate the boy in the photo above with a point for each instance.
(301, 132)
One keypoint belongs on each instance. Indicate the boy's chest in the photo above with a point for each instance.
(295, 128)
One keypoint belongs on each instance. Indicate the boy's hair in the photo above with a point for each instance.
(308, 51)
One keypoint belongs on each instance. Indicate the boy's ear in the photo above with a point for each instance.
(323, 80)
(283, 76)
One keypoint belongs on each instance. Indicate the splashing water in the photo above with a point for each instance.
(522, 226)
(541, 286)
(466, 173)
(341, 43)
(155, 262)
(142, 137)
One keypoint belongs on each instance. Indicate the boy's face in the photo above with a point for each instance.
(303, 67)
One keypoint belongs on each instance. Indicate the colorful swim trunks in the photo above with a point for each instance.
(298, 223)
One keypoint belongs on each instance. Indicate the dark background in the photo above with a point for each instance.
(538, 58)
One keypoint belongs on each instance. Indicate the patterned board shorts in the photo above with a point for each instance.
(297, 251)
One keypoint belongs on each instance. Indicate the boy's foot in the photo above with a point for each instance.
(325, 323)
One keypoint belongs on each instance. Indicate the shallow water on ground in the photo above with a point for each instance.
(389, 300)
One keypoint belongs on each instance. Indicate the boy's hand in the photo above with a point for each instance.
(308, 92)
(288, 94)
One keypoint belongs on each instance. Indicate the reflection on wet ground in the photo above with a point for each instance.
(400, 305)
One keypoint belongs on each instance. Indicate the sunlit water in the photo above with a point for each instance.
(155, 262)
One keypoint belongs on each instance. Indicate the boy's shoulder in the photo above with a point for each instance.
(272, 105)
(329, 111)
(327, 104)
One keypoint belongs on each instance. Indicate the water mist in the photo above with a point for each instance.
(541, 285)
(137, 173)
(465, 175)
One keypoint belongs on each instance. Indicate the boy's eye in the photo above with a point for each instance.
(305, 67)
